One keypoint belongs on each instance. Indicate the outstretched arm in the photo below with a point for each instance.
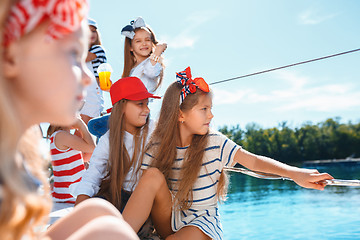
(307, 178)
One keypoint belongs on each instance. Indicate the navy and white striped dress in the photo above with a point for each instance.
(99, 51)
(204, 212)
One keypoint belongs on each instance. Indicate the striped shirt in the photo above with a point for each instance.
(68, 168)
(203, 213)
(99, 51)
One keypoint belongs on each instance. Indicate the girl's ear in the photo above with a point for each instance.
(181, 116)
(10, 64)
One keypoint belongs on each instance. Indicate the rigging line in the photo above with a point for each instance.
(262, 175)
(286, 66)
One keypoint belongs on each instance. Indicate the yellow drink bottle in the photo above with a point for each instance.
(104, 70)
(104, 80)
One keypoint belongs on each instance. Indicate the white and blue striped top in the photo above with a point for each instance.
(99, 51)
(203, 213)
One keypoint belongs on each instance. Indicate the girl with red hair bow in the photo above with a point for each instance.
(183, 167)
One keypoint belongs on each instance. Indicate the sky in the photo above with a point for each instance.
(230, 38)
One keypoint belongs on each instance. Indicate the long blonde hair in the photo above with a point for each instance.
(166, 137)
(119, 161)
(21, 208)
(129, 57)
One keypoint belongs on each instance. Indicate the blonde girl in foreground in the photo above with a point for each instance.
(43, 49)
(184, 179)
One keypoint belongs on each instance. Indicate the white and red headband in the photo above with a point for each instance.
(65, 16)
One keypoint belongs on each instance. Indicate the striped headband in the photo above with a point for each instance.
(189, 84)
(65, 16)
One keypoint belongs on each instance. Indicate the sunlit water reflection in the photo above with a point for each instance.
(276, 209)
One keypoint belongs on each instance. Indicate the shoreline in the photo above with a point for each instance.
(329, 161)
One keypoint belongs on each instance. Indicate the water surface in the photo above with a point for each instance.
(277, 209)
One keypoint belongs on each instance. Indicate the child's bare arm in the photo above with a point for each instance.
(91, 56)
(308, 178)
(158, 50)
(81, 141)
(81, 127)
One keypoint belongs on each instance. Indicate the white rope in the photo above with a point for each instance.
(261, 175)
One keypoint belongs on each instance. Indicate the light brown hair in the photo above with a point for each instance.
(129, 57)
(119, 161)
(166, 138)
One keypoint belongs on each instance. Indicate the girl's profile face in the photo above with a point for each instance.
(136, 113)
(197, 120)
(93, 35)
(141, 44)
(48, 76)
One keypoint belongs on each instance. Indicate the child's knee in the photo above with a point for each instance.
(171, 237)
(153, 177)
(108, 227)
(99, 207)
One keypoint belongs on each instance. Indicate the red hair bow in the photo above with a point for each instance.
(189, 84)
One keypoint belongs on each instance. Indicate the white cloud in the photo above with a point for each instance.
(311, 17)
(231, 96)
(324, 102)
(187, 37)
(182, 40)
(297, 94)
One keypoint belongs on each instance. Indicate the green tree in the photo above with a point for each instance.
(326, 140)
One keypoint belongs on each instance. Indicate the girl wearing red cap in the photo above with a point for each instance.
(182, 189)
(115, 163)
(43, 47)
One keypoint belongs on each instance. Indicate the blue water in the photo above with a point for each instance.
(277, 209)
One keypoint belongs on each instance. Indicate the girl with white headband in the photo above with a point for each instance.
(142, 59)
(143, 54)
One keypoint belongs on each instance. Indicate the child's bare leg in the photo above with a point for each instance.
(151, 196)
(88, 214)
(105, 227)
(189, 232)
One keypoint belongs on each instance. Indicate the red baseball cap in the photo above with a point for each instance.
(130, 88)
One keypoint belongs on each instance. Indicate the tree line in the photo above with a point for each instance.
(325, 140)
